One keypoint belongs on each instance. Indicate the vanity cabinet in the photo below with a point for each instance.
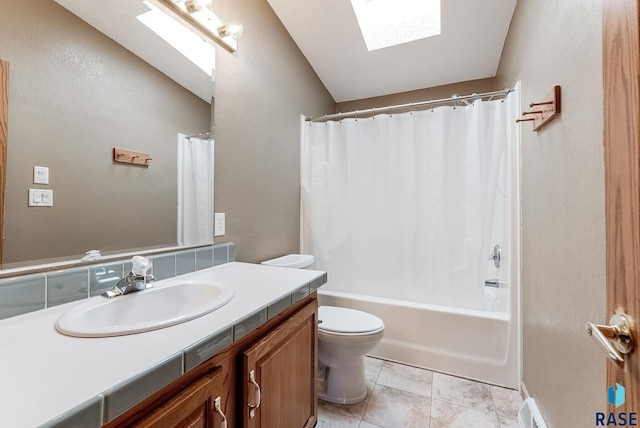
(198, 405)
(280, 375)
(267, 378)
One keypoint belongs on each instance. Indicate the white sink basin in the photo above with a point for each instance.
(158, 307)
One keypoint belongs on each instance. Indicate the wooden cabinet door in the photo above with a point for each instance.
(193, 407)
(280, 373)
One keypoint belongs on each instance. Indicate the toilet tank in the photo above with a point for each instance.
(295, 261)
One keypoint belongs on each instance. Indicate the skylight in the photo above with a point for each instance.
(194, 48)
(386, 23)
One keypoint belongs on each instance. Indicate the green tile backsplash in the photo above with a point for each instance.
(28, 293)
(67, 285)
(22, 294)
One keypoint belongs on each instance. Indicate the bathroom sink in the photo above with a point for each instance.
(151, 309)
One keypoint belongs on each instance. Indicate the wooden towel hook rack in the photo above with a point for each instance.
(131, 157)
(547, 110)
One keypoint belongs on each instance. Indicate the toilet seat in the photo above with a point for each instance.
(336, 320)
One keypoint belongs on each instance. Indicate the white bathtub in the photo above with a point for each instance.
(479, 345)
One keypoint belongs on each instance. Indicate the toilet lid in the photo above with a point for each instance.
(343, 320)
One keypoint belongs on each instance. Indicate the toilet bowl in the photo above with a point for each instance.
(344, 337)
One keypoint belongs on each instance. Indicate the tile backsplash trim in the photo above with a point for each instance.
(28, 293)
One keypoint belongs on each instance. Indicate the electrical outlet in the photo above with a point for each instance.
(218, 224)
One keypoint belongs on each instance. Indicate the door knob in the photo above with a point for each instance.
(615, 339)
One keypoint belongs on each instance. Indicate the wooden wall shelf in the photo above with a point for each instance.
(544, 111)
(131, 157)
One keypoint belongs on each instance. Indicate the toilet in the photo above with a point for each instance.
(344, 337)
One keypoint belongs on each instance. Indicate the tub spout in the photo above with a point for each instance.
(492, 283)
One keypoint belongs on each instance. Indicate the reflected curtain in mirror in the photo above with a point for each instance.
(195, 190)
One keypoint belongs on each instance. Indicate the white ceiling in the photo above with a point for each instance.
(327, 33)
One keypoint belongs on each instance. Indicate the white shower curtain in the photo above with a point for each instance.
(195, 190)
(401, 206)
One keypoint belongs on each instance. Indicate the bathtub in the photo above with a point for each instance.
(478, 345)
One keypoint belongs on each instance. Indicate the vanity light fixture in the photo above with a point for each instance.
(199, 18)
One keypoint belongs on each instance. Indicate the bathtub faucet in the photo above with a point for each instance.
(495, 256)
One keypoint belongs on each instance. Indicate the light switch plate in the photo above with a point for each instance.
(40, 197)
(40, 175)
(218, 224)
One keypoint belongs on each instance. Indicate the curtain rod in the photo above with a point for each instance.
(200, 136)
(373, 111)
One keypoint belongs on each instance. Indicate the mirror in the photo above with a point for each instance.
(74, 96)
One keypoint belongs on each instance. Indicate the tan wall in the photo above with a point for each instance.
(261, 91)
(435, 93)
(563, 232)
(74, 95)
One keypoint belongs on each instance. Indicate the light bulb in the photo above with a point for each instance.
(233, 30)
(194, 6)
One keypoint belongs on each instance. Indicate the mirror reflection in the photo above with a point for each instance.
(75, 95)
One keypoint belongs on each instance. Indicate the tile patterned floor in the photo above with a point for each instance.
(404, 396)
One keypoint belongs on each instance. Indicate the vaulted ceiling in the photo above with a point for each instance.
(327, 32)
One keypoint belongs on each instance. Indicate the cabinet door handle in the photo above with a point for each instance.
(256, 395)
(223, 418)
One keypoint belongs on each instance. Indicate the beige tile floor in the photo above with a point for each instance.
(403, 396)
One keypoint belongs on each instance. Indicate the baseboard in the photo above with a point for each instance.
(524, 393)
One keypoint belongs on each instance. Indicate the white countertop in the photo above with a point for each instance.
(44, 373)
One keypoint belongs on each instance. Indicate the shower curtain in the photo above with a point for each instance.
(195, 190)
(401, 206)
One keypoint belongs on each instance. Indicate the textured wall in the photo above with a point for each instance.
(559, 42)
(74, 95)
(435, 93)
(261, 91)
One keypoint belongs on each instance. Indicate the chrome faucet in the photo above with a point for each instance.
(130, 284)
(136, 280)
